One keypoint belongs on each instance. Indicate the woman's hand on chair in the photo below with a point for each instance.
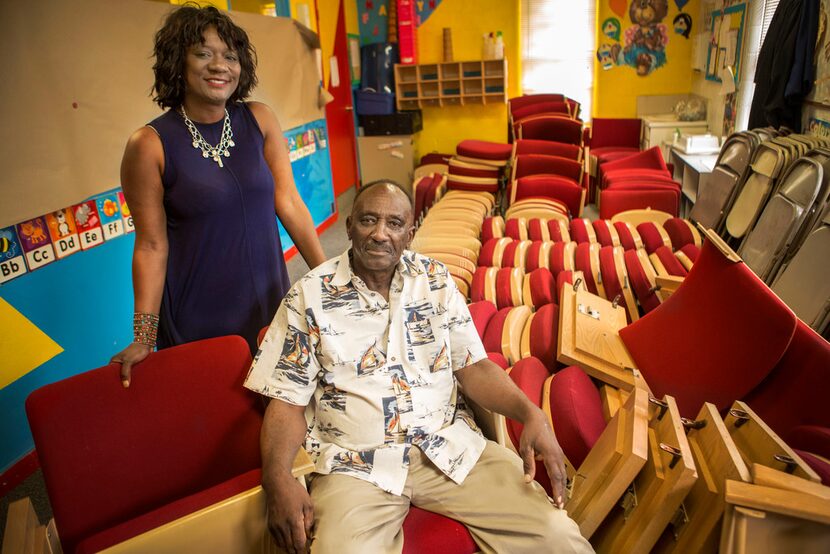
(133, 354)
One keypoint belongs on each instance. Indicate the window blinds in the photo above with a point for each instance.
(558, 48)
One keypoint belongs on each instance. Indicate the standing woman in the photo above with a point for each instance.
(203, 182)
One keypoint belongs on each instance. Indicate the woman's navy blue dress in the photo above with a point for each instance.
(225, 268)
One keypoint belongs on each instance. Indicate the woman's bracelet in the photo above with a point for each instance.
(145, 328)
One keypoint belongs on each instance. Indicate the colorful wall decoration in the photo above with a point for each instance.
(641, 51)
(373, 16)
(66, 288)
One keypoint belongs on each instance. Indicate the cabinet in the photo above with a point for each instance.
(658, 130)
(450, 84)
(387, 157)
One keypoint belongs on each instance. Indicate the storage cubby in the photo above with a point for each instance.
(451, 84)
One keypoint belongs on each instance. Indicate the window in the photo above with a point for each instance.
(558, 46)
(760, 17)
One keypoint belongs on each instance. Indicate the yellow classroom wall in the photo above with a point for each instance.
(468, 19)
(616, 89)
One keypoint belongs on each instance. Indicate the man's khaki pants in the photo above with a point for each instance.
(503, 513)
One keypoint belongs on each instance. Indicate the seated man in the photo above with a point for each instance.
(363, 361)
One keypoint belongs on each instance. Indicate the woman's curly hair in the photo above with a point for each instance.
(184, 27)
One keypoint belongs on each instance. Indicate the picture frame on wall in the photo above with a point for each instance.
(354, 58)
(726, 29)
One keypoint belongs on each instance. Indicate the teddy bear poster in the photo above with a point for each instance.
(642, 44)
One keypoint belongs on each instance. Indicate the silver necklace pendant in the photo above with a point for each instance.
(208, 151)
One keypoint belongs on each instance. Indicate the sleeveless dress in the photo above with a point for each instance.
(226, 273)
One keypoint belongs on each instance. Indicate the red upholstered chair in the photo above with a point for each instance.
(482, 312)
(498, 359)
(539, 288)
(715, 339)
(558, 231)
(792, 397)
(529, 374)
(551, 127)
(516, 228)
(629, 237)
(614, 201)
(492, 227)
(434, 158)
(614, 136)
(681, 232)
(559, 188)
(653, 235)
(492, 153)
(428, 532)
(576, 413)
(547, 148)
(528, 99)
(665, 263)
(540, 164)
(118, 463)
(586, 260)
(538, 255)
(651, 159)
(582, 230)
(542, 334)
(691, 251)
(606, 233)
(641, 275)
(537, 229)
(562, 257)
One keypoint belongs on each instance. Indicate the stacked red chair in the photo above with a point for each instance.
(610, 140)
(638, 181)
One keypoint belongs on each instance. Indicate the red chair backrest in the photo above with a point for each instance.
(795, 391)
(109, 454)
(607, 132)
(647, 159)
(539, 164)
(549, 127)
(528, 99)
(547, 148)
(612, 202)
(715, 338)
(540, 107)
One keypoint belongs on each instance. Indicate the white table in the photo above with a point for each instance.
(691, 170)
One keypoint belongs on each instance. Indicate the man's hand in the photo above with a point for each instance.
(538, 439)
(290, 514)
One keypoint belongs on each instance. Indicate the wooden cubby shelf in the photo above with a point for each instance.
(450, 84)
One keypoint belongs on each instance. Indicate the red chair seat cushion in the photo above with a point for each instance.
(679, 232)
(576, 413)
(555, 231)
(484, 150)
(691, 251)
(544, 333)
(652, 239)
(602, 232)
(515, 228)
(534, 229)
(567, 191)
(582, 262)
(563, 279)
(722, 317)
(489, 229)
(498, 359)
(626, 238)
(608, 270)
(542, 287)
(492, 336)
(504, 298)
(670, 262)
(819, 466)
(532, 256)
(606, 154)
(639, 282)
(477, 293)
(425, 531)
(812, 438)
(508, 259)
(482, 312)
(579, 231)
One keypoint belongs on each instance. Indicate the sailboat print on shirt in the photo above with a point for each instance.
(371, 360)
(334, 297)
(296, 357)
(418, 328)
(441, 361)
(350, 461)
(436, 275)
(332, 398)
